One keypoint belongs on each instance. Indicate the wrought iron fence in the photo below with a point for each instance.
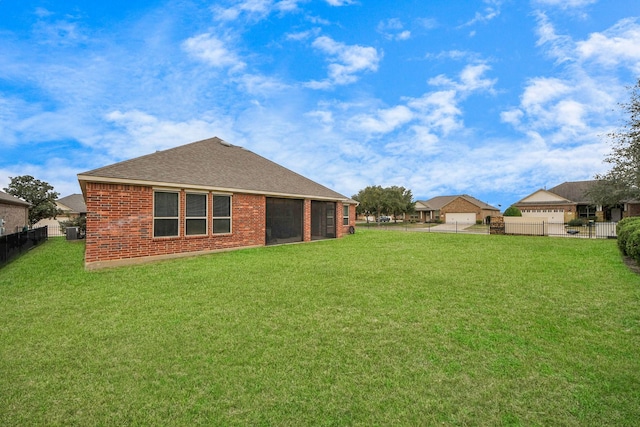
(592, 230)
(12, 245)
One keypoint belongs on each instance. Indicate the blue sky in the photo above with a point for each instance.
(492, 98)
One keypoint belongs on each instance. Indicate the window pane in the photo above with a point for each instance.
(165, 204)
(221, 206)
(165, 227)
(196, 226)
(196, 205)
(221, 226)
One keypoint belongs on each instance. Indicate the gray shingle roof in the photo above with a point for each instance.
(574, 190)
(75, 202)
(12, 200)
(213, 164)
(439, 202)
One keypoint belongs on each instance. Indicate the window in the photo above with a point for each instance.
(221, 214)
(165, 214)
(196, 214)
(345, 214)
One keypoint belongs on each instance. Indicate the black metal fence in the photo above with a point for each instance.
(12, 245)
(592, 230)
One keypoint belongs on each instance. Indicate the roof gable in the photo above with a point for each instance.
(543, 196)
(438, 202)
(211, 164)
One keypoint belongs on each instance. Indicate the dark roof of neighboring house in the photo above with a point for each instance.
(211, 164)
(75, 202)
(439, 202)
(574, 191)
(12, 200)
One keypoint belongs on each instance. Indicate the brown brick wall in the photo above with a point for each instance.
(460, 205)
(120, 225)
(15, 217)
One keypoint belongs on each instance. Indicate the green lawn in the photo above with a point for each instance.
(378, 328)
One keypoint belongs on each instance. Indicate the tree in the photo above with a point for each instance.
(398, 201)
(370, 201)
(39, 193)
(512, 211)
(623, 180)
(375, 200)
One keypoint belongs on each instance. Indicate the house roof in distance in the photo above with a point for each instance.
(438, 202)
(211, 164)
(7, 198)
(574, 190)
(75, 203)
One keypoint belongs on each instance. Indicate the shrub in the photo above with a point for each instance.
(512, 211)
(624, 228)
(633, 243)
(576, 222)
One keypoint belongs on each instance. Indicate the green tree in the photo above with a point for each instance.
(370, 201)
(375, 200)
(398, 201)
(512, 211)
(39, 193)
(623, 179)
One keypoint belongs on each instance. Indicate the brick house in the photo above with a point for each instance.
(203, 197)
(14, 213)
(462, 209)
(570, 200)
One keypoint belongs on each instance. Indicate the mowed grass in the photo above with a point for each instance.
(378, 328)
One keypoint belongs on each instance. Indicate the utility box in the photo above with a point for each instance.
(72, 233)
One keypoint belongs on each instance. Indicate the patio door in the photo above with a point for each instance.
(323, 220)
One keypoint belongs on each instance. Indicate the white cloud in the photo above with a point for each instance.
(254, 9)
(139, 133)
(383, 121)
(470, 79)
(213, 51)
(490, 12)
(393, 29)
(619, 45)
(565, 4)
(340, 2)
(345, 61)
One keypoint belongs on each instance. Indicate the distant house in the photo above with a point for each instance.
(14, 213)
(463, 209)
(203, 197)
(70, 207)
(568, 201)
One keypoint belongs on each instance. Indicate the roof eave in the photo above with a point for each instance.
(83, 179)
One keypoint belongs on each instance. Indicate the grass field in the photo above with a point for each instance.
(378, 328)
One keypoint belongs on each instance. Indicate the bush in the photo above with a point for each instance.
(576, 222)
(633, 243)
(512, 211)
(624, 228)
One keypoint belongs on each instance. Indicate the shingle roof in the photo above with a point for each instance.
(439, 202)
(75, 202)
(212, 164)
(574, 191)
(8, 198)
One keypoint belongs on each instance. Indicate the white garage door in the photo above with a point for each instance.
(461, 218)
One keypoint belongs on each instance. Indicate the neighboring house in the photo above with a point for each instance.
(14, 213)
(463, 209)
(203, 197)
(70, 207)
(568, 201)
